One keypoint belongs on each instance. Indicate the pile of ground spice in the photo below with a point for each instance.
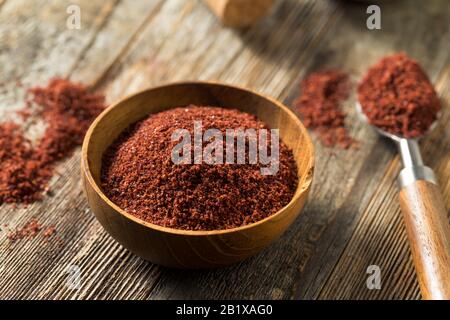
(30, 230)
(319, 105)
(139, 176)
(397, 96)
(26, 167)
(22, 176)
(49, 231)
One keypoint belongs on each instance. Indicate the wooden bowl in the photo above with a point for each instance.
(181, 248)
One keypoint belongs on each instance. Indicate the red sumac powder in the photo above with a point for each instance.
(319, 105)
(68, 109)
(23, 178)
(138, 174)
(26, 168)
(397, 96)
(31, 229)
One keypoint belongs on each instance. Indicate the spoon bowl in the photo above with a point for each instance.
(362, 116)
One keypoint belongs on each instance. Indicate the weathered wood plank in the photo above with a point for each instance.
(325, 252)
(27, 267)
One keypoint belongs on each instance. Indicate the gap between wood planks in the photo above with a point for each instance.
(107, 76)
(92, 40)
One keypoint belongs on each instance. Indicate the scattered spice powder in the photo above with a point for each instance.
(139, 176)
(68, 109)
(397, 96)
(319, 105)
(30, 230)
(49, 231)
(22, 176)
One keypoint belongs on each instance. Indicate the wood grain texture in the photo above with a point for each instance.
(428, 229)
(353, 219)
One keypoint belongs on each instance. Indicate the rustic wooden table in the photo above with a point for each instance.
(352, 219)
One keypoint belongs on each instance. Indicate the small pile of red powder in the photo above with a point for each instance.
(397, 96)
(26, 168)
(49, 231)
(138, 174)
(22, 176)
(30, 230)
(319, 105)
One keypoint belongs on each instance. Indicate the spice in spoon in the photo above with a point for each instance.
(397, 96)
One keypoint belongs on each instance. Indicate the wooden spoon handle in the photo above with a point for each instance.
(428, 230)
(239, 13)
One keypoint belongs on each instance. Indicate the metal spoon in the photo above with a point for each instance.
(425, 217)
